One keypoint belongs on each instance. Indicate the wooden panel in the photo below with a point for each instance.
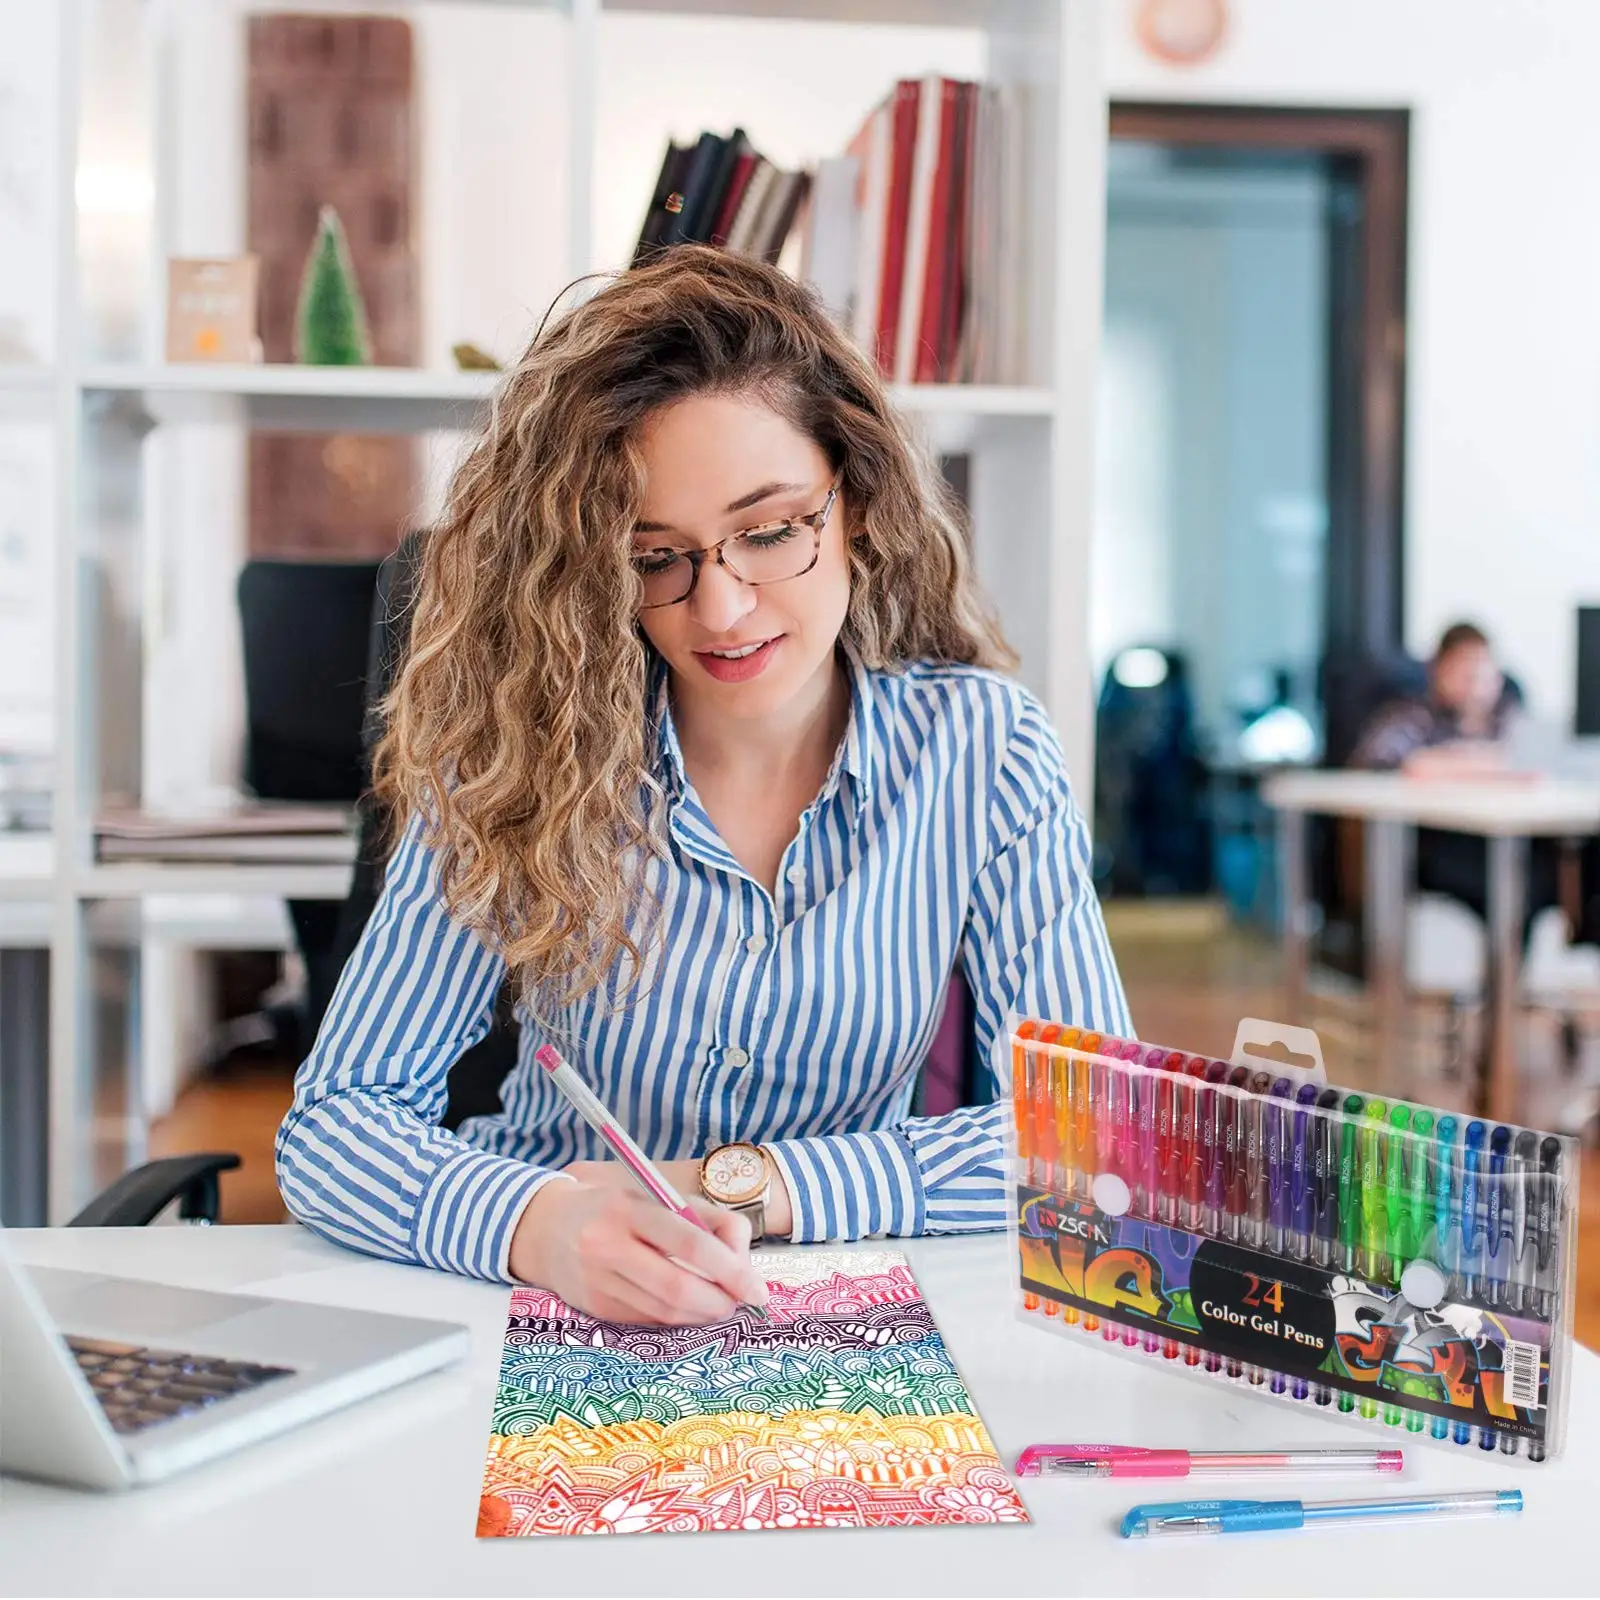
(331, 122)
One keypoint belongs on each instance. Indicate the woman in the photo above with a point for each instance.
(702, 735)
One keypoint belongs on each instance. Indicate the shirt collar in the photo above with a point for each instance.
(855, 755)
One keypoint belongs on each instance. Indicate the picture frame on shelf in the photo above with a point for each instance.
(211, 309)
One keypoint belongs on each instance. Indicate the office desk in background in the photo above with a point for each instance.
(1507, 812)
(382, 1499)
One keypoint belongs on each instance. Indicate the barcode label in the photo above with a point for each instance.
(1522, 1374)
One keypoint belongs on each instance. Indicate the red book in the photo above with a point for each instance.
(953, 312)
(742, 168)
(903, 145)
(936, 261)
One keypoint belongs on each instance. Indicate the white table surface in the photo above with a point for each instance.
(1513, 805)
(382, 1499)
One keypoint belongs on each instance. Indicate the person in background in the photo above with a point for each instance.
(1459, 730)
(1459, 727)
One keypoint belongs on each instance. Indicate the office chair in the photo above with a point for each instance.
(1152, 817)
(305, 627)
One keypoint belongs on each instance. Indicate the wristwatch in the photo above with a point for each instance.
(739, 1177)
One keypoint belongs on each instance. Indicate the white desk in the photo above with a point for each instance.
(383, 1499)
(1506, 811)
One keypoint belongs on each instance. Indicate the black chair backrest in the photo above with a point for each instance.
(1354, 686)
(305, 628)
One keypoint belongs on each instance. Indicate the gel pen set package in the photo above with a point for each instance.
(1249, 1223)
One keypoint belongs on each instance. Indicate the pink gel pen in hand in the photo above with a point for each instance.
(649, 1176)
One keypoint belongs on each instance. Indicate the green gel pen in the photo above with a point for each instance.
(1349, 1189)
(1349, 1203)
(1394, 1195)
(1375, 1257)
(1419, 1209)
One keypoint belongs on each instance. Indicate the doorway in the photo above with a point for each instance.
(1247, 563)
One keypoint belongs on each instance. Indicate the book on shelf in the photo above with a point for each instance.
(936, 230)
(240, 829)
(916, 236)
(721, 190)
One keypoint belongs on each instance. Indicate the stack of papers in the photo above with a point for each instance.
(278, 831)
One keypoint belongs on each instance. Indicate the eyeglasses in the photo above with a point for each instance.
(772, 553)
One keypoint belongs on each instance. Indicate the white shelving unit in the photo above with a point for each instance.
(1031, 445)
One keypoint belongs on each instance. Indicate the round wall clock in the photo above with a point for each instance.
(1182, 32)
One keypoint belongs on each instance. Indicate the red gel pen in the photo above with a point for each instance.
(1192, 1111)
(1046, 1144)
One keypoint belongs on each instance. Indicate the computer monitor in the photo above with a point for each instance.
(1586, 712)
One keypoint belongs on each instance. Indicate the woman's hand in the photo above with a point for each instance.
(609, 1250)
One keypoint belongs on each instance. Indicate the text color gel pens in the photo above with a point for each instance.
(1134, 1461)
(1256, 1516)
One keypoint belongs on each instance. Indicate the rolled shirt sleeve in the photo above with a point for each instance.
(360, 1156)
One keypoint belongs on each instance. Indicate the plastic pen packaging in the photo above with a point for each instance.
(1403, 1267)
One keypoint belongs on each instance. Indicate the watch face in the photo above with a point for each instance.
(735, 1174)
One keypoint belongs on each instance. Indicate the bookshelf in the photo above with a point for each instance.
(123, 525)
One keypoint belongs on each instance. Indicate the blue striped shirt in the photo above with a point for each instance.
(944, 833)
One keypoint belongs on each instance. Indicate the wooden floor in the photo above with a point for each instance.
(1189, 981)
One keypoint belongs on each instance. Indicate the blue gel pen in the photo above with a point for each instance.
(1497, 1235)
(1524, 1167)
(1444, 1220)
(1471, 1167)
(1256, 1516)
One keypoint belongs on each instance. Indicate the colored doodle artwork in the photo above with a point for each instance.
(842, 1409)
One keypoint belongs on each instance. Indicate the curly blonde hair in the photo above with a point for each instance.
(518, 727)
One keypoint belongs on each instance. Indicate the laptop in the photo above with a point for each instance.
(1539, 747)
(111, 1382)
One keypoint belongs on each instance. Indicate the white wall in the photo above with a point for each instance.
(27, 334)
(1503, 382)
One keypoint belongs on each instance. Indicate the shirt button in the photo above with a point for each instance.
(737, 1058)
(796, 874)
(755, 944)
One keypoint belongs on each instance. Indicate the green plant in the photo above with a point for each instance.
(331, 321)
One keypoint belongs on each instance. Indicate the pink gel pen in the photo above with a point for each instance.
(1133, 1461)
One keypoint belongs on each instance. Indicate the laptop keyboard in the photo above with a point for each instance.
(138, 1387)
